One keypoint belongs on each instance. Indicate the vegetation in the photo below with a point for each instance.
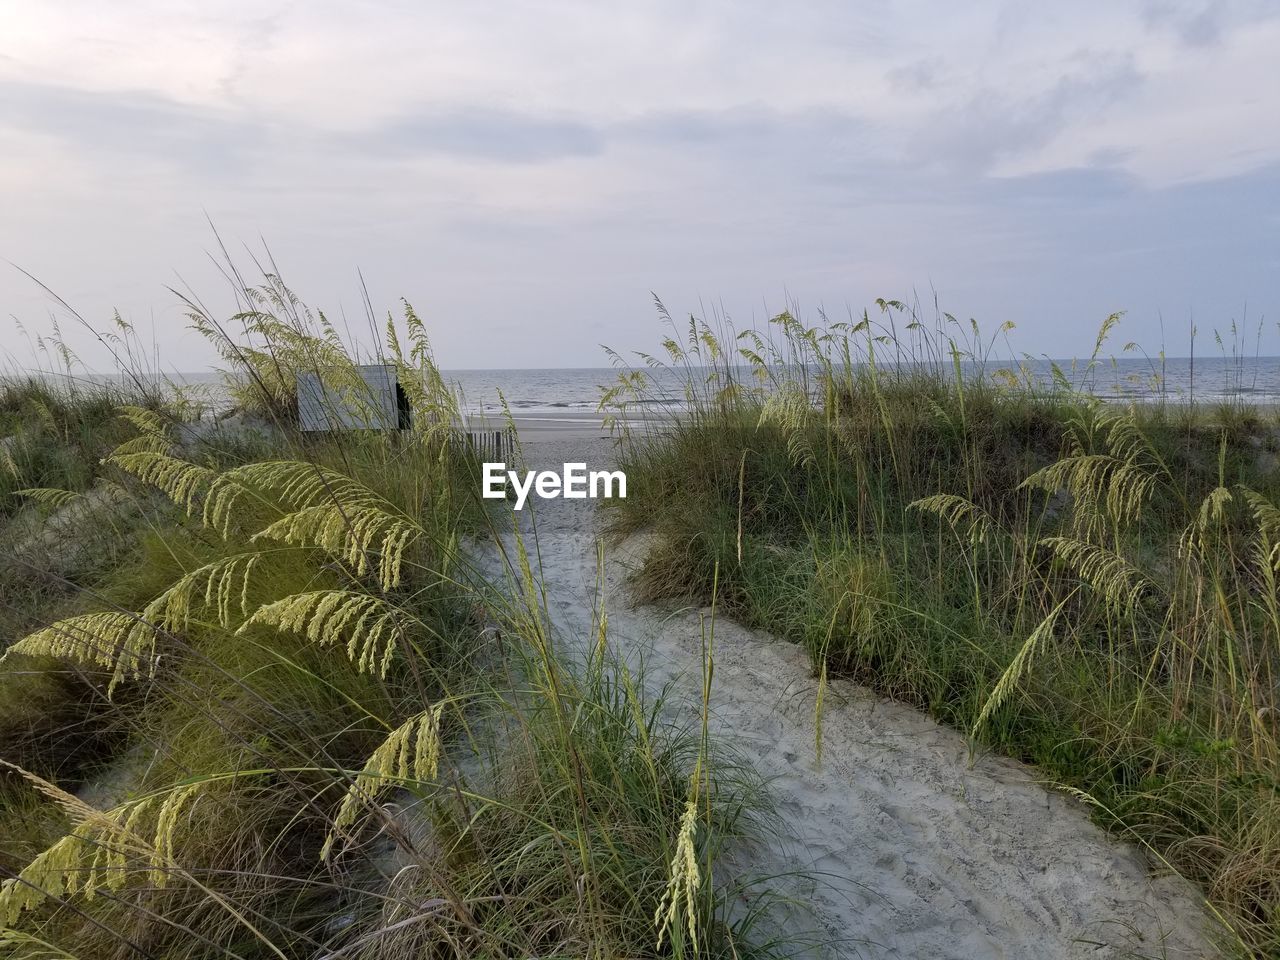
(53, 437)
(254, 702)
(1091, 587)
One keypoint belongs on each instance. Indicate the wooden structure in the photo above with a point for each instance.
(373, 400)
(490, 446)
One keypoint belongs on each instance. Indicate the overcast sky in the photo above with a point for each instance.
(527, 173)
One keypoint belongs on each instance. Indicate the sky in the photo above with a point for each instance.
(530, 174)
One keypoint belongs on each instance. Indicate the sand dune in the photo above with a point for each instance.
(916, 850)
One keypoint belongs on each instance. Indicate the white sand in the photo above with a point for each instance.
(917, 851)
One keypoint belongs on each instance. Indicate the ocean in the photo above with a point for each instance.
(1207, 379)
(570, 393)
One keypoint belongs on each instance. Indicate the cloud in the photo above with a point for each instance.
(553, 162)
(918, 76)
(134, 123)
(991, 125)
(222, 142)
(690, 128)
(1197, 24)
(485, 133)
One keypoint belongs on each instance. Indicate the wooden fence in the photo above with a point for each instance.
(489, 446)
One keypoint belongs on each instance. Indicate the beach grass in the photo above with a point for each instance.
(1084, 585)
(256, 702)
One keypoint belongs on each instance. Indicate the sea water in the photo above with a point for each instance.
(569, 393)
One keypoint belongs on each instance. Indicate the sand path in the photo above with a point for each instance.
(917, 851)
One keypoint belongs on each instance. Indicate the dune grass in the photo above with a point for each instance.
(1090, 587)
(54, 435)
(254, 702)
